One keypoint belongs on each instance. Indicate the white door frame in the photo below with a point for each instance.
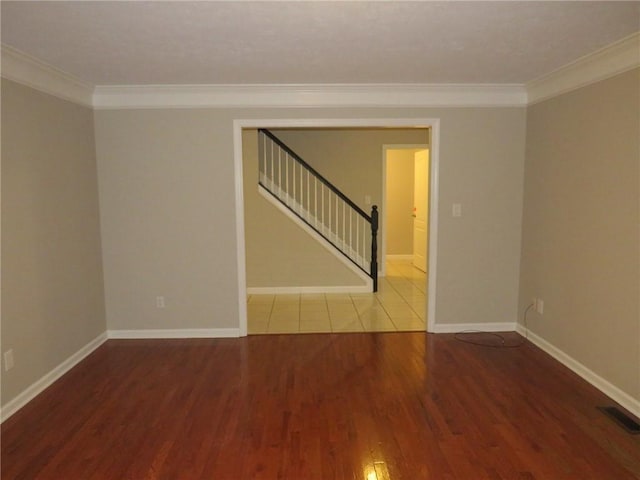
(383, 206)
(432, 123)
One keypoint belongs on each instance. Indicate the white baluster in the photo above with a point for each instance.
(343, 224)
(264, 155)
(357, 236)
(322, 205)
(294, 184)
(350, 230)
(364, 234)
(301, 190)
(271, 162)
(338, 201)
(330, 213)
(308, 204)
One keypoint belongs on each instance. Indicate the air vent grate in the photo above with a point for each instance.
(622, 419)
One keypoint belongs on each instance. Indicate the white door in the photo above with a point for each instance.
(420, 209)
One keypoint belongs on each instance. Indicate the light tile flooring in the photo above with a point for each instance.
(399, 305)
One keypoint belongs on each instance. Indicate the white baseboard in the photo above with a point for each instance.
(295, 290)
(176, 333)
(484, 327)
(624, 399)
(40, 385)
(408, 257)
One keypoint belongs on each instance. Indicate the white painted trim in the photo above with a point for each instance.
(40, 385)
(604, 63)
(30, 71)
(368, 283)
(624, 399)
(240, 242)
(303, 290)
(611, 60)
(401, 258)
(310, 95)
(22, 68)
(434, 201)
(383, 206)
(481, 327)
(175, 333)
(336, 122)
(433, 123)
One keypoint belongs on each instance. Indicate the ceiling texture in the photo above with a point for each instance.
(313, 42)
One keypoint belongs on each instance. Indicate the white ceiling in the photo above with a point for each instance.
(275, 42)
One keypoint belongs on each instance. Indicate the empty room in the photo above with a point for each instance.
(320, 240)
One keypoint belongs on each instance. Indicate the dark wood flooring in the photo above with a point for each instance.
(348, 406)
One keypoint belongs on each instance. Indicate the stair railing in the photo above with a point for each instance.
(319, 203)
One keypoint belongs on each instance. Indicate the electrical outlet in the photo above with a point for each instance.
(539, 306)
(456, 210)
(8, 360)
(534, 302)
(160, 302)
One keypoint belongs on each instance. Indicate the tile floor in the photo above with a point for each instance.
(399, 305)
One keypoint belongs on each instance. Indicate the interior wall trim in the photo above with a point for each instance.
(26, 70)
(46, 380)
(483, 327)
(434, 193)
(404, 257)
(607, 62)
(175, 333)
(611, 60)
(293, 95)
(619, 396)
(307, 289)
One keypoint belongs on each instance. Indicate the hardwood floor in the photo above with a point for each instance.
(367, 406)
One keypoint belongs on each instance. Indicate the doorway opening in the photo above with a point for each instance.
(432, 125)
(405, 204)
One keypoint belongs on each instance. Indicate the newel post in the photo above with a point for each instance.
(374, 247)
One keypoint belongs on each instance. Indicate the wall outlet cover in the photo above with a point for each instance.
(8, 360)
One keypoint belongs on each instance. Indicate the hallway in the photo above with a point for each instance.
(399, 305)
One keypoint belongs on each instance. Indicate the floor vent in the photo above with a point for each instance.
(622, 419)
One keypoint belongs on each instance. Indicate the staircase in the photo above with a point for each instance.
(314, 200)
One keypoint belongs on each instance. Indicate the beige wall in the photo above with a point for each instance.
(168, 219)
(168, 211)
(580, 237)
(350, 158)
(399, 201)
(52, 289)
(278, 252)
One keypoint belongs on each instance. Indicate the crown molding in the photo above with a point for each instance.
(22, 68)
(611, 60)
(614, 59)
(292, 95)
(30, 71)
